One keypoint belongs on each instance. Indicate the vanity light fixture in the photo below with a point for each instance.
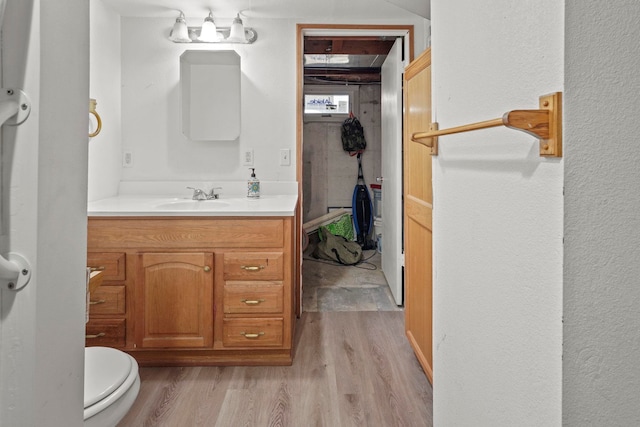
(210, 33)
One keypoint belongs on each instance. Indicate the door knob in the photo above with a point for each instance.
(379, 179)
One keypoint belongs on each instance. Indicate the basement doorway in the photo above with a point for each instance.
(344, 60)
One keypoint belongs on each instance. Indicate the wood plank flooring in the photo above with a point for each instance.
(350, 369)
(353, 367)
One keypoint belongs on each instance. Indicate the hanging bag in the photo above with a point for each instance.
(353, 139)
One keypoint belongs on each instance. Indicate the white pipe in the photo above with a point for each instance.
(8, 109)
(9, 270)
(14, 272)
(2, 4)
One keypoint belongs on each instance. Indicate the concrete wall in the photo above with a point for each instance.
(330, 173)
(601, 376)
(498, 217)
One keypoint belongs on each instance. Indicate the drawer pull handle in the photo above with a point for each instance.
(252, 336)
(100, 335)
(252, 267)
(207, 268)
(100, 301)
(252, 301)
(100, 268)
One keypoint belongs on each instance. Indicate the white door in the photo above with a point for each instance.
(392, 170)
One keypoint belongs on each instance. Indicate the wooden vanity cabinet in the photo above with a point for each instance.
(203, 290)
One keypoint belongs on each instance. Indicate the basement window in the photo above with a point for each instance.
(330, 103)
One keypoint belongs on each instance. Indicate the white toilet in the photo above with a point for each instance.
(111, 385)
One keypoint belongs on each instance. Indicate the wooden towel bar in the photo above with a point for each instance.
(545, 124)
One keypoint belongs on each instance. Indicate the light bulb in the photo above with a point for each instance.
(237, 31)
(208, 32)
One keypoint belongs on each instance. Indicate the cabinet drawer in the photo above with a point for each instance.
(252, 332)
(106, 332)
(111, 263)
(186, 233)
(108, 300)
(253, 266)
(253, 297)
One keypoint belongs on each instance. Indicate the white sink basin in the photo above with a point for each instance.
(192, 205)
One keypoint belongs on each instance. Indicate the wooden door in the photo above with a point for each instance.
(391, 128)
(174, 300)
(418, 206)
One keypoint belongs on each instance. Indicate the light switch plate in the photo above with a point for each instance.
(285, 157)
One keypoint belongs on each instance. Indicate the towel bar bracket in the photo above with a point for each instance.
(434, 142)
(552, 145)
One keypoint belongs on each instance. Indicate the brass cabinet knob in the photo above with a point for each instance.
(207, 268)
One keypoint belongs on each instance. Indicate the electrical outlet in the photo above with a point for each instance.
(247, 157)
(127, 159)
(285, 157)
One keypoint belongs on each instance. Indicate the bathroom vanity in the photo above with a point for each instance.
(194, 283)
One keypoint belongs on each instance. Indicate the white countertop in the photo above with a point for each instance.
(154, 205)
(173, 198)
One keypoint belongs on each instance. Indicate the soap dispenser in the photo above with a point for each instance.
(253, 185)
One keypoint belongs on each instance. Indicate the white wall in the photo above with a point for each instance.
(602, 222)
(150, 111)
(498, 217)
(105, 149)
(44, 164)
(151, 106)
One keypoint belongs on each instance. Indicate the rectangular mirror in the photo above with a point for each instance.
(210, 82)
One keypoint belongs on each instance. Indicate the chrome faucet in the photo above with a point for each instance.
(199, 194)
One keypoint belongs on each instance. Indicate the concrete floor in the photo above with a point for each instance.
(334, 287)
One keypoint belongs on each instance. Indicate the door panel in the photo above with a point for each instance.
(418, 199)
(176, 300)
(391, 129)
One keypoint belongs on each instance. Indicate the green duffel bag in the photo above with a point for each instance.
(337, 248)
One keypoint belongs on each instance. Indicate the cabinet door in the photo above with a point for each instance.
(175, 293)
